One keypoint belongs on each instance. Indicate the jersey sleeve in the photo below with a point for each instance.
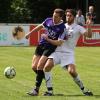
(82, 29)
(63, 35)
(46, 22)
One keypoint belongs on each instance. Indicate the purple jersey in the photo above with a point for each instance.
(53, 31)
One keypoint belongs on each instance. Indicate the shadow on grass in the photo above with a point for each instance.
(67, 95)
(64, 95)
(96, 96)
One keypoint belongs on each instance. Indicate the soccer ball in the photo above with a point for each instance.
(9, 72)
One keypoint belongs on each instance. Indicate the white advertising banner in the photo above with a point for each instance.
(14, 35)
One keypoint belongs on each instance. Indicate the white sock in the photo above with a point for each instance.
(48, 78)
(78, 82)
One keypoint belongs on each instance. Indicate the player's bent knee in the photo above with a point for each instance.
(71, 71)
(34, 68)
(46, 69)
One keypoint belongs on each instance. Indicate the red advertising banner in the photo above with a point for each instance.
(93, 41)
(35, 36)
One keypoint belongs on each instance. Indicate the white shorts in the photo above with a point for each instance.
(62, 58)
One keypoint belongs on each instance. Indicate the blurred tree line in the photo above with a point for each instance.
(34, 11)
(26, 11)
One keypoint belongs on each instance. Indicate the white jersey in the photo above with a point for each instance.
(73, 33)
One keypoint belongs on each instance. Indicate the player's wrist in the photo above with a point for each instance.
(89, 26)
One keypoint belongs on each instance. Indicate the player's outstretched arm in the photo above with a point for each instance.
(88, 33)
(37, 28)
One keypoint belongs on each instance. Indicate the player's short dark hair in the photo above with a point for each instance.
(72, 11)
(60, 12)
(16, 30)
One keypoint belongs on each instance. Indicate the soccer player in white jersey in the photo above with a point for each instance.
(64, 54)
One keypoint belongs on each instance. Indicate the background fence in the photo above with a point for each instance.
(7, 38)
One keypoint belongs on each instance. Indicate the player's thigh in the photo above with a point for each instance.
(49, 65)
(35, 61)
(42, 62)
(44, 57)
(66, 59)
(55, 57)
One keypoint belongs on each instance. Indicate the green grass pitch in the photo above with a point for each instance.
(88, 67)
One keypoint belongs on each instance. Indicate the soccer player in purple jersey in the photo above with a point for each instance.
(54, 29)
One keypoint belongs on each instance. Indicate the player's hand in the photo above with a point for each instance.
(89, 22)
(27, 36)
(45, 36)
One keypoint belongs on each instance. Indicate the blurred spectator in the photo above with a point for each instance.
(91, 15)
(80, 19)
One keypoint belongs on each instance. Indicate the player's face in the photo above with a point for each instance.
(56, 18)
(69, 18)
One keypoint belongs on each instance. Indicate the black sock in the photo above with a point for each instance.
(39, 78)
(35, 71)
(82, 88)
(50, 88)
